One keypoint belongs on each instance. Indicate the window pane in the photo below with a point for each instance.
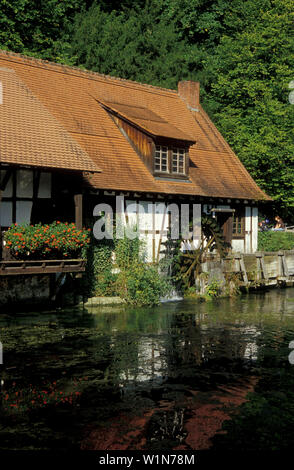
(178, 160)
(5, 214)
(238, 226)
(161, 159)
(24, 183)
(23, 212)
(8, 190)
(45, 185)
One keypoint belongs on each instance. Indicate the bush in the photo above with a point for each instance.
(213, 289)
(125, 274)
(137, 282)
(99, 279)
(54, 241)
(275, 241)
(104, 278)
(141, 285)
(128, 252)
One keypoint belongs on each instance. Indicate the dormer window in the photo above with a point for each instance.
(178, 163)
(161, 159)
(170, 160)
(163, 147)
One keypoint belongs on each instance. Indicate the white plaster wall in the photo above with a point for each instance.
(238, 246)
(248, 230)
(149, 217)
(254, 229)
(154, 217)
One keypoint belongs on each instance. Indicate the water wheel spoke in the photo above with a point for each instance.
(208, 245)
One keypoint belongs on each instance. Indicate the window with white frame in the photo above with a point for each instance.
(161, 159)
(178, 161)
(171, 160)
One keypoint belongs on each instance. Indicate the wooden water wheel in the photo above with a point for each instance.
(212, 239)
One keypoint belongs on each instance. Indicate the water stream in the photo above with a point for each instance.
(168, 377)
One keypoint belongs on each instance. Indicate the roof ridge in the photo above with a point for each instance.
(71, 69)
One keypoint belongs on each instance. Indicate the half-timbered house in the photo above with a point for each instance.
(70, 139)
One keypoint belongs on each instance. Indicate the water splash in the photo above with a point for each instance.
(173, 296)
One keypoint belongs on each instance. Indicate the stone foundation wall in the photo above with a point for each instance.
(24, 289)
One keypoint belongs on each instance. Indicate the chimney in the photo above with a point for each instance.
(189, 92)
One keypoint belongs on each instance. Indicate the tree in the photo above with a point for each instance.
(250, 72)
(136, 44)
(38, 27)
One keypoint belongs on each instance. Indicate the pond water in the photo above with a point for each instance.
(169, 377)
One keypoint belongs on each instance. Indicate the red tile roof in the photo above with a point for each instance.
(70, 96)
(30, 135)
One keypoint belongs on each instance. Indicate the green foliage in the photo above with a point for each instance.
(51, 241)
(38, 27)
(105, 279)
(117, 268)
(137, 282)
(99, 279)
(213, 289)
(250, 71)
(127, 252)
(275, 241)
(142, 285)
(138, 44)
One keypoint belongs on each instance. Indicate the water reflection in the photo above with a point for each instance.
(66, 370)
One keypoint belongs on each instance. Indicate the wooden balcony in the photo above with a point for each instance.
(12, 268)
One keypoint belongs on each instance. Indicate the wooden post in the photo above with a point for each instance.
(263, 268)
(259, 274)
(285, 267)
(243, 269)
(280, 273)
(78, 198)
(161, 233)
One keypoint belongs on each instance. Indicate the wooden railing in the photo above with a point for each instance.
(15, 267)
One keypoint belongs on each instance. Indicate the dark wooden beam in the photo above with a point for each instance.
(78, 198)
